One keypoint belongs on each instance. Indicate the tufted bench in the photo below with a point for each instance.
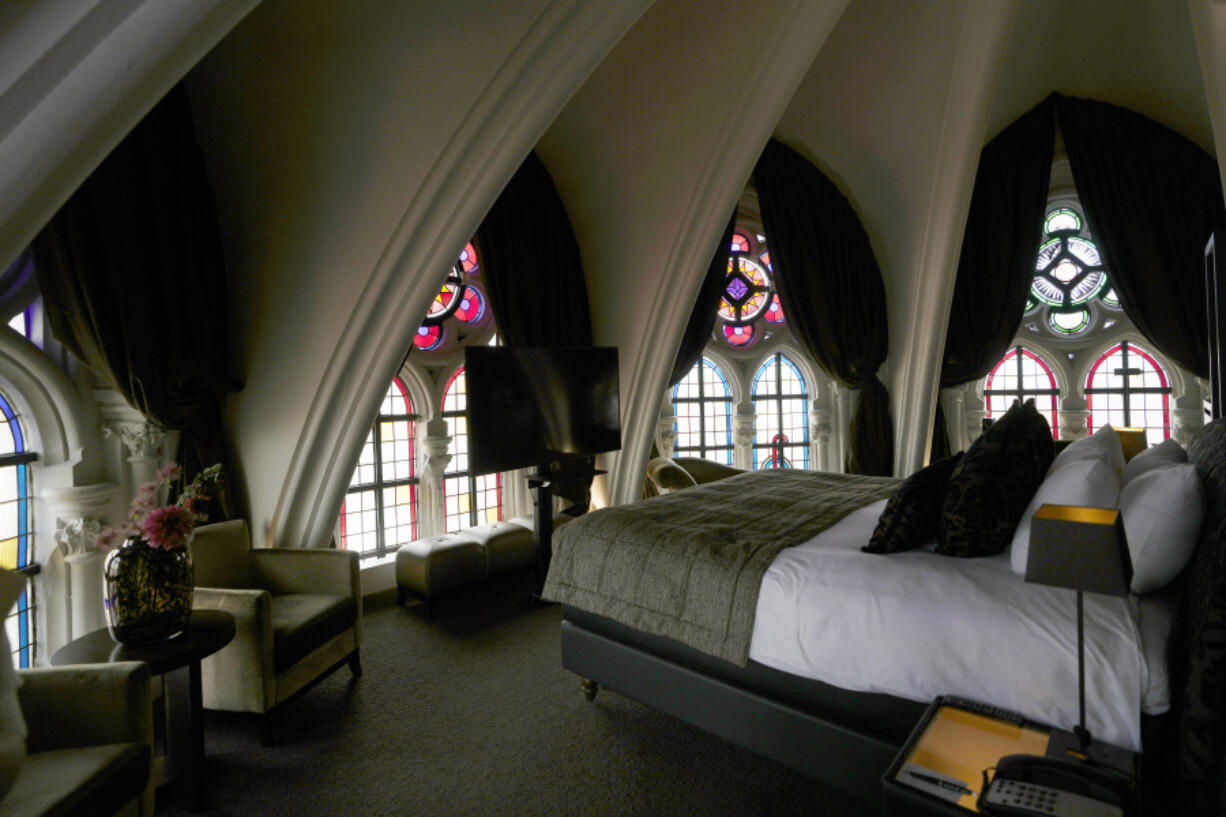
(431, 567)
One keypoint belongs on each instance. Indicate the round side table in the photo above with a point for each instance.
(177, 660)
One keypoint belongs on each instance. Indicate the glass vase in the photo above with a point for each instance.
(147, 591)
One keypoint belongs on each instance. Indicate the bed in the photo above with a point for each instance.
(839, 706)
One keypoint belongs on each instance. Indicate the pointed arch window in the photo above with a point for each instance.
(380, 509)
(702, 408)
(1021, 375)
(468, 500)
(16, 545)
(781, 409)
(1127, 387)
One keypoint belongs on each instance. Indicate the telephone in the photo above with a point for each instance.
(1026, 785)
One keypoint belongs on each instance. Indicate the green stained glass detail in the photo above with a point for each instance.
(1062, 220)
(1069, 323)
(1110, 298)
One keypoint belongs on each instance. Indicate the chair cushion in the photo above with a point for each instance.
(301, 622)
(83, 780)
(668, 476)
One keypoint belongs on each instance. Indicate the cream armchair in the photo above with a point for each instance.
(90, 744)
(297, 615)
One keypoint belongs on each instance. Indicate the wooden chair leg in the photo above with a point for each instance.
(355, 662)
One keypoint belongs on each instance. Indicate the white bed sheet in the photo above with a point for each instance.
(918, 624)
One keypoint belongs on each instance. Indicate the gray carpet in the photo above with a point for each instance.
(471, 713)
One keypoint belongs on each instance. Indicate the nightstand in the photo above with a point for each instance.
(950, 755)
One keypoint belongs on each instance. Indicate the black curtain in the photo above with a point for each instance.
(1152, 198)
(831, 290)
(996, 265)
(532, 270)
(133, 285)
(702, 316)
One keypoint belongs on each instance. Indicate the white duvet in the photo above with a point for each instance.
(918, 624)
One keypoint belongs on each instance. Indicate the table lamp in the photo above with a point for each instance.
(1083, 549)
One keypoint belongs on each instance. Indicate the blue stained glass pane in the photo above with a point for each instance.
(23, 525)
(14, 427)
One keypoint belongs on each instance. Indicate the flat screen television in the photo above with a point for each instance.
(533, 405)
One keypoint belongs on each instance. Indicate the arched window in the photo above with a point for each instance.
(781, 409)
(702, 406)
(1021, 375)
(467, 500)
(380, 510)
(1126, 387)
(16, 548)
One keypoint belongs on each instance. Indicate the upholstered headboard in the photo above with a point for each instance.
(1199, 657)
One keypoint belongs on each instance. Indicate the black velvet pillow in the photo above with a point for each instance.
(992, 485)
(913, 512)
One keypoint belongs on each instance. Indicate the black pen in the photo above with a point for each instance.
(945, 784)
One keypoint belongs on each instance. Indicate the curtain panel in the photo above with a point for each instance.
(535, 277)
(1152, 198)
(133, 284)
(702, 316)
(831, 290)
(996, 264)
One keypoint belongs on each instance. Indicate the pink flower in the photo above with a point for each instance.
(169, 472)
(168, 527)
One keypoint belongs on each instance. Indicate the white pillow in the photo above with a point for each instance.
(1103, 444)
(1168, 452)
(1087, 482)
(1162, 509)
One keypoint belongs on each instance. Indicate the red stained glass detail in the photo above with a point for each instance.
(468, 259)
(774, 312)
(766, 259)
(428, 337)
(739, 335)
(472, 306)
(740, 242)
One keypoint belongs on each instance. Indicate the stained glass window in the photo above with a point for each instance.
(1069, 276)
(457, 309)
(748, 303)
(781, 412)
(702, 408)
(380, 510)
(468, 500)
(1126, 387)
(16, 547)
(1021, 375)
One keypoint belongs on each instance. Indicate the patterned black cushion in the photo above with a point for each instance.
(992, 485)
(913, 512)
(1199, 655)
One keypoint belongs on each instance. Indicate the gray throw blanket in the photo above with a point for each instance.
(688, 565)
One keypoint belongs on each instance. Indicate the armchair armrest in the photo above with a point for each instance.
(240, 676)
(86, 705)
(308, 570)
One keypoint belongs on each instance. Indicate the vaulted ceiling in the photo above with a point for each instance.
(352, 152)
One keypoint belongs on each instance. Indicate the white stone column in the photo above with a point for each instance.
(819, 435)
(78, 512)
(1073, 417)
(973, 411)
(955, 417)
(742, 435)
(436, 444)
(666, 430)
(1185, 422)
(845, 403)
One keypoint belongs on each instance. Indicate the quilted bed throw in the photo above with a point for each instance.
(688, 565)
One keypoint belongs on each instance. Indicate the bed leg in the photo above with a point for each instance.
(590, 688)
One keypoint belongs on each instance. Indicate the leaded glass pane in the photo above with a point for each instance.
(1022, 375)
(702, 408)
(781, 407)
(1127, 387)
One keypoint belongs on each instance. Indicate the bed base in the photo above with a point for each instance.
(843, 757)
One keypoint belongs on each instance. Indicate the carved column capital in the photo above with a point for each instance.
(1186, 422)
(143, 440)
(78, 536)
(666, 435)
(742, 430)
(1073, 423)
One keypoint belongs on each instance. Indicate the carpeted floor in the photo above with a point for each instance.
(471, 713)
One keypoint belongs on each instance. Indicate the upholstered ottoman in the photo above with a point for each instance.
(430, 567)
(508, 546)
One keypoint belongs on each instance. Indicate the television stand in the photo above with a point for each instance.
(541, 484)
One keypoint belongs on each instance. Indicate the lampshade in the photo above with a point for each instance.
(1133, 441)
(1079, 548)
